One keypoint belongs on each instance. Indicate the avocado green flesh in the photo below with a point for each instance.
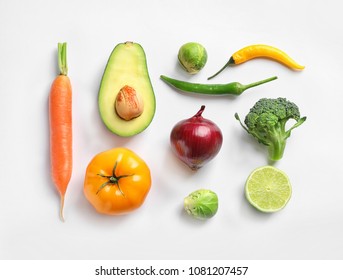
(126, 66)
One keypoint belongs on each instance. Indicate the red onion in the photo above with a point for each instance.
(196, 140)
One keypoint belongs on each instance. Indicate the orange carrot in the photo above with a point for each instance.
(60, 118)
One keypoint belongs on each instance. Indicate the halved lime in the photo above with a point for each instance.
(268, 189)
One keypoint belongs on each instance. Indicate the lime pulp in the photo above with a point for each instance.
(268, 189)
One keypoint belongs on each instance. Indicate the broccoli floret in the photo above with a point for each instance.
(267, 120)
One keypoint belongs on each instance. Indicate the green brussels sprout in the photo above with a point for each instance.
(201, 204)
(193, 57)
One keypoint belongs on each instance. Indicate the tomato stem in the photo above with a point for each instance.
(112, 179)
(114, 169)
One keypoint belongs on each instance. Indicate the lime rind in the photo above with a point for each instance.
(268, 189)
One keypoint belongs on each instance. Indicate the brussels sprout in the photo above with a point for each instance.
(193, 57)
(201, 204)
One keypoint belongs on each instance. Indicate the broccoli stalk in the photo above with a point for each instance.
(267, 120)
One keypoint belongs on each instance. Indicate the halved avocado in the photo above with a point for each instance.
(126, 66)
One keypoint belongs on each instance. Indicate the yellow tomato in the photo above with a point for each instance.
(117, 181)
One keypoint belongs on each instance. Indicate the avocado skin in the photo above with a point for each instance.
(126, 65)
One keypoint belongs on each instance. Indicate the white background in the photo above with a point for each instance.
(310, 227)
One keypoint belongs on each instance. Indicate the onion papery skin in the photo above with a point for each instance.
(196, 141)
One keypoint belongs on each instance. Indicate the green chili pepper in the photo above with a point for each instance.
(233, 88)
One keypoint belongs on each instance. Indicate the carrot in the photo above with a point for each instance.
(60, 119)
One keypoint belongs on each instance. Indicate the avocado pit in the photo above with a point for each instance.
(129, 103)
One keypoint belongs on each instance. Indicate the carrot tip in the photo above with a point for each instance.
(61, 208)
